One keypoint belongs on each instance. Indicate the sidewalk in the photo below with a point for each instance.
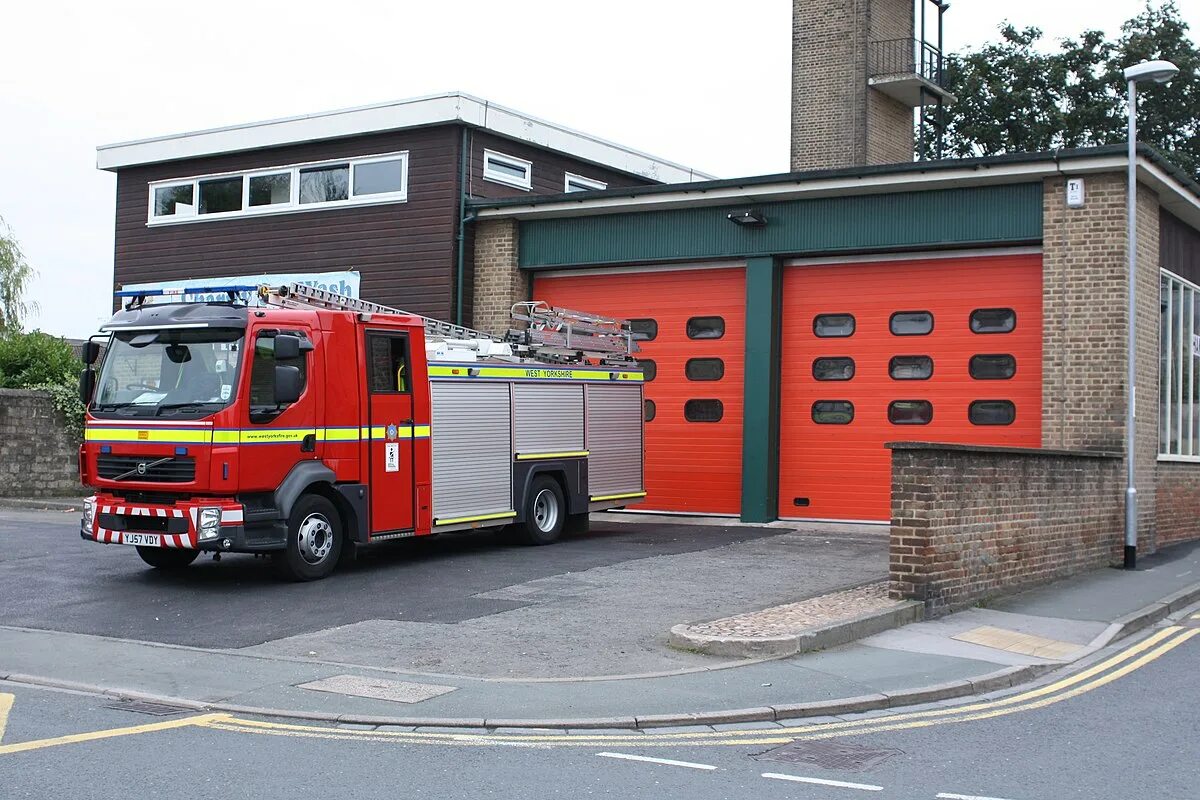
(977, 650)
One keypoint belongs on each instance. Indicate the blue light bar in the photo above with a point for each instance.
(185, 290)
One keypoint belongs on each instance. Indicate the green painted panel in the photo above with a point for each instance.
(947, 217)
(760, 416)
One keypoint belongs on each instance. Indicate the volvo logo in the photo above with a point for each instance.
(141, 468)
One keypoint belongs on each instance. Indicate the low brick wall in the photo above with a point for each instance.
(1178, 507)
(975, 522)
(37, 457)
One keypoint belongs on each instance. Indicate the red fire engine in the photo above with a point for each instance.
(311, 423)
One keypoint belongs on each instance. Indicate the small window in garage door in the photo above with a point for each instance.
(833, 412)
(993, 320)
(910, 412)
(703, 410)
(704, 369)
(992, 412)
(649, 369)
(644, 330)
(911, 323)
(650, 410)
(833, 326)
(997, 367)
(911, 368)
(834, 368)
(705, 328)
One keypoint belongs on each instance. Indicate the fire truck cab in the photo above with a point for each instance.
(313, 424)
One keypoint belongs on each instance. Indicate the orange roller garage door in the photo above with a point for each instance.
(694, 390)
(940, 349)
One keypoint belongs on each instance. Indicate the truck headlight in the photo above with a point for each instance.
(208, 525)
(89, 512)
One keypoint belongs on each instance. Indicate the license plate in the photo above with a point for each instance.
(142, 539)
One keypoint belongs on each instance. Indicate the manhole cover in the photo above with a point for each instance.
(830, 755)
(145, 707)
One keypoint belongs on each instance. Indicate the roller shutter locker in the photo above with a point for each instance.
(694, 440)
(882, 352)
(472, 449)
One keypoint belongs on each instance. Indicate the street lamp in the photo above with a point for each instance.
(1155, 72)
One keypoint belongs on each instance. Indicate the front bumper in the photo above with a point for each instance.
(175, 526)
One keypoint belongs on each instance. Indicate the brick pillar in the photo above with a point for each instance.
(837, 119)
(498, 281)
(1085, 317)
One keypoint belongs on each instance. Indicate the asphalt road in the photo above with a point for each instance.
(52, 579)
(1133, 737)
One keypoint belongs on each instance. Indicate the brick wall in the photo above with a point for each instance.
(837, 120)
(975, 522)
(498, 282)
(37, 457)
(1085, 312)
(1178, 506)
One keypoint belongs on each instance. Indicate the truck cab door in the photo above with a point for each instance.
(390, 443)
(277, 436)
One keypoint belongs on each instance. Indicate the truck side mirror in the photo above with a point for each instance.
(91, 352)
(287, 347)
(87, 385)
(287, 383)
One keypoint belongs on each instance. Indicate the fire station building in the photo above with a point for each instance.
(812, 340)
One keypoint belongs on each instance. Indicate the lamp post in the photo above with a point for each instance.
(1156, 72)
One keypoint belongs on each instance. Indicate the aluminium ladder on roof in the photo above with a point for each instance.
(553, 334)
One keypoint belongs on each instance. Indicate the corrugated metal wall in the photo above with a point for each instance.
(472, 449)
(905, 220)
(549, 419)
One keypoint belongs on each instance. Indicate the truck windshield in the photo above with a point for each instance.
(181, 373)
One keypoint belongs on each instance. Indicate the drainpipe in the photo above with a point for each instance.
(462, 224)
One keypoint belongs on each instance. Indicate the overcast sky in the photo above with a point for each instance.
(700, 82)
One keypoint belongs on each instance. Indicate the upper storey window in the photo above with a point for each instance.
(578, 183)
(298, 187)
(509, 170)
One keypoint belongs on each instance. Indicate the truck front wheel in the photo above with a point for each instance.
(545, 512)
(314, 540)
(165, 559)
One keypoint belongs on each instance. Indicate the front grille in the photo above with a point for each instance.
(180, 469)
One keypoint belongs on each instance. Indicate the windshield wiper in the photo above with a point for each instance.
(110, 406)
(190, 405)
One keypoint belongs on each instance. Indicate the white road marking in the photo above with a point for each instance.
(866, 787)
(949, 796)
(649, 760)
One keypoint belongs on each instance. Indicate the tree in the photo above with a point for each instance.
(1013, 97)
(1168, 116)
(15, 276)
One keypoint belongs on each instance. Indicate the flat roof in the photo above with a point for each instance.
(439, 109)
(1178, 190)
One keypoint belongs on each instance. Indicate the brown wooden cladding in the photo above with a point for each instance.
(1178, 247)
(549, 169)
(405, 252)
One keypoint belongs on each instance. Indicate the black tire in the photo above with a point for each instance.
(166, 558)
(545, 513)
(314, 540)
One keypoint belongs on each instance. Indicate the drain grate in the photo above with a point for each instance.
(146, 707)
(830, 755)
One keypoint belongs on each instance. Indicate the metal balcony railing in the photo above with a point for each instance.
(906, 57)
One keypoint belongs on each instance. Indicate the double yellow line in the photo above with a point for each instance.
(1101, 674)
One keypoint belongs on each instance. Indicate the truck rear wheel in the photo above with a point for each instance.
(545, 512)
(167, 559)
(314, 540)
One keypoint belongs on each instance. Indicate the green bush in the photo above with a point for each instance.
(36, 359)
(39, 361)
